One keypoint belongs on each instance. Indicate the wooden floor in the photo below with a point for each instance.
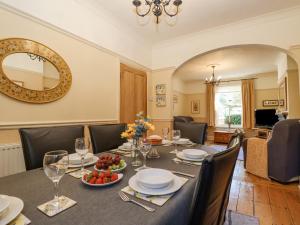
(271, 202)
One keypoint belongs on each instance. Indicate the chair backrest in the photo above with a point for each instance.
(213, 186)
(284, 151)
(106, 137)
(37, 141)
(237, 132)
(196, 132)
(184, 119)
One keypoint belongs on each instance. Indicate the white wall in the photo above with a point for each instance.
(96, 27)
(276, 29)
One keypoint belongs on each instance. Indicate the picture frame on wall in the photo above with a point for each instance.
(161, 100)
(281, 102)
(270, 103)
(160, 89)
(195, 107)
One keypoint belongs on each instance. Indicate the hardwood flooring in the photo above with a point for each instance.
(271, 202)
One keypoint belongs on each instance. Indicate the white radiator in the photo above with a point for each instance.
(11, 159)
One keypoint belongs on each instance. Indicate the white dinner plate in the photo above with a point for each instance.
(120, 176)
(154, 178)
(173, 187)
(15, 208)
(4, 203)
(75, 159)
(180, 155)
(89, 163)
(115, 171)
(194, 153)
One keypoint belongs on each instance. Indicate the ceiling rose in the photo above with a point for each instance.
(158, 7)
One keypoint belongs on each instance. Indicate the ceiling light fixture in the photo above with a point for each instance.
(34, 57)
(212, 80)
(157, 7)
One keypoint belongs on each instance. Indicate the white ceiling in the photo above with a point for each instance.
(235, 62)
(195, 15)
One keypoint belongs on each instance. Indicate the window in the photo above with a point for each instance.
(228, 105)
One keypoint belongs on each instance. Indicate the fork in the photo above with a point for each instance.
(125, 198)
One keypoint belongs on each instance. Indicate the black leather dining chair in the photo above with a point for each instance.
(212, 190)
(106, 137)
(196, 132)
(37, 141)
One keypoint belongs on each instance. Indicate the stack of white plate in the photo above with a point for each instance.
(183, 141)
(10, 208)
(126, 146)
(196, 155)
(75, 160)
(155, 182)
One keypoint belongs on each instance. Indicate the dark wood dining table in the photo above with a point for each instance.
(103, 206)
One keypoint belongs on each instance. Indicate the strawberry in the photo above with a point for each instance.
(92, 180)
(99, 181)
(107, 173)
(85, 176)
(95, 173)
(114, 177)
(101, 175)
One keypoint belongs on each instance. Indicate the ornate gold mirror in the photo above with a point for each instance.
(32, 72)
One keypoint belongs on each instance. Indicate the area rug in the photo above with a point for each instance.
(234, 218)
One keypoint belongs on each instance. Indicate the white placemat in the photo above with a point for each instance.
(157, 200)
(20, 220)
(187, 162)
(77, 174)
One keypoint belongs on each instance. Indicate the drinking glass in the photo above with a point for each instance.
(82, 146)
(144, 149)
(165, 132)
(176, 137)
(55, 164)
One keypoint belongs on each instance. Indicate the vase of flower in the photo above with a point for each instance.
(136, 131)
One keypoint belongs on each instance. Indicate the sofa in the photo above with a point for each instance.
(196, 132)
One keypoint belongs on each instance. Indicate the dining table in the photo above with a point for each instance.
(103, 205)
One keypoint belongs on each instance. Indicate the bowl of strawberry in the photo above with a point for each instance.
(100, 179)
(113, 163)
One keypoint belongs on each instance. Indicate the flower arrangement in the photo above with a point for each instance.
(138, 128)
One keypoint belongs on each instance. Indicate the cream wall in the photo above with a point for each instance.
(265, 94)
(95, 77)
(293, 94)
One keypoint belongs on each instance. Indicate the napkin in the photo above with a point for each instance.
(122, 153)
(20, 220)
(157, 200)
(77, 174)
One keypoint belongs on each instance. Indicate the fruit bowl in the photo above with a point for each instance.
(110, 162)
(101, 179)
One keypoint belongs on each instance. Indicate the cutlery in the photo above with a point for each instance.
(125, 198)
(178, 161)
(181, 173)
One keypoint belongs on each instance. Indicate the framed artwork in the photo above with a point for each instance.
(18, 82)
(161, 100)
(175, 99)
(195, 107)
(160, 89)
(270, 103)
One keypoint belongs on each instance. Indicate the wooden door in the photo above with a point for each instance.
(133, 93)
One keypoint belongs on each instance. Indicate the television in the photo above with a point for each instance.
(265, 118)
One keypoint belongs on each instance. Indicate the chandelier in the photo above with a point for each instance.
(212, 80)
(157, 7)
(34, 57)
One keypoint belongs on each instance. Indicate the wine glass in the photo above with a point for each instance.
(176, 136)
(55, 165)
(165, 132)
(144, 149)
(82, 146)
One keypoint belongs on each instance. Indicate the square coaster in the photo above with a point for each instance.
(65, 203)
(77, 174)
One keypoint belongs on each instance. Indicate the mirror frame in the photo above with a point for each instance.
(8, 87)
